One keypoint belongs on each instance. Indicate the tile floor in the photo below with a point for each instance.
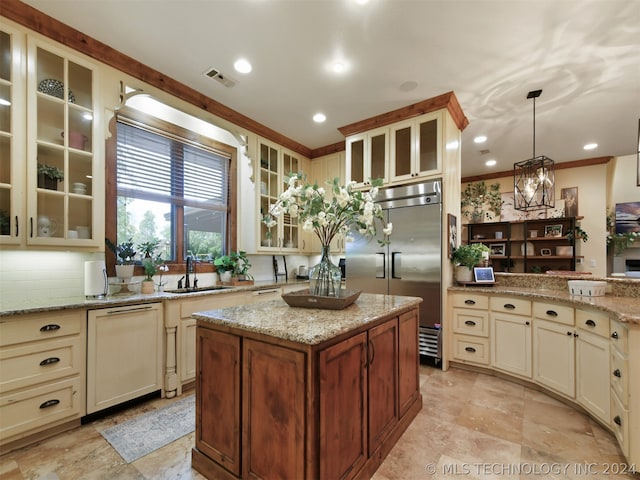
(471, 426)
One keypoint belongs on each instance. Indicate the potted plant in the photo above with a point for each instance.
(125, 253)
(148, 248)
(236, 264)
(151, 265)
(225, 265)
(49, 176)
(242, 266)
(465, 257)
(477, 197)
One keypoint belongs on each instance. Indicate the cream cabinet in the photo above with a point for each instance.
(12, 138)
(368, 157)
(554, 347)
(621, 398)
(124, 354)
(275, 164)
(416, 147)
(470, 328)
(511, 335)
(178, 312)
(42, 373)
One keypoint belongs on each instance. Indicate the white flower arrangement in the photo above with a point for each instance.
(327, 218)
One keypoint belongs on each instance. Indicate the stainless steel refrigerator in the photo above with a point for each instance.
(411, 263)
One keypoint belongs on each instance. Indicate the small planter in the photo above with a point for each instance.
(225, 277)
(463, 274)
(47, 182)
(124, 272)
(147, 286)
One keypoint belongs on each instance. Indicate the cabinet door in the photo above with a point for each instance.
(408, 360)
(124, 354)
(12, 140)
(218, 397)
(378, 155)
(269, 184)
(343, 408)
(511, 343)
(383, 381)
(356, 155)
(273, 428)
(592, 367)
(554, 356)
(62, 123)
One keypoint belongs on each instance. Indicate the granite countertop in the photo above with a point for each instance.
(10, 306)
(626, 309)
(309, 326)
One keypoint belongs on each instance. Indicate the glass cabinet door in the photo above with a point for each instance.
(11, 138)
(61, 149)
(356, 159)
(268, 191)
(290, 237)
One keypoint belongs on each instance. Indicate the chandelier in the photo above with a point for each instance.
(533, 179)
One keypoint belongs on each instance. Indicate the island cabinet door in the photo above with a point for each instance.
(274, 391)
(383, 382)
(218, 397)
(409, 360)
(343, 408)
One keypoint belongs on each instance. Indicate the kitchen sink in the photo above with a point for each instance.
(198, 289)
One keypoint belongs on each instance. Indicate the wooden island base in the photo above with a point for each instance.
(306, 394)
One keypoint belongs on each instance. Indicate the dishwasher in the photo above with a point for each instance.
(124, 354)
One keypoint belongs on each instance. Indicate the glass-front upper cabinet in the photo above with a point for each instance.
(63, 197)
(416, 147)
(367, 157)
(12, 74)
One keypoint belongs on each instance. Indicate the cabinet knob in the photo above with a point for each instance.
(617, 420)
(617, 373)
(470, 349)
(470, 302)
(590, 323)
(471, 323)
(614, 335)
(569, 333)
(527, 323)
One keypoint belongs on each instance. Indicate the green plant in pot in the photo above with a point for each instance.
(49, 176)
(147, 249)
(125, 253)
(225, 265)
(465, 257)
(480, 201)
(151, 265)
(236, 264)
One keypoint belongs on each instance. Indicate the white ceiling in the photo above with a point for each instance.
(584, 54)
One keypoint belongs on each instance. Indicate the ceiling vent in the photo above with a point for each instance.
(220, 77)
(484, 152)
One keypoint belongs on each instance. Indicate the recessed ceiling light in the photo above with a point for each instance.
(490, 163)
(590, 146)
(338, 67)
(319, 117)
(480, 139)
(361, 2)
(242, 65)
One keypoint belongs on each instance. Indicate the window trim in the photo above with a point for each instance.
(110, 214)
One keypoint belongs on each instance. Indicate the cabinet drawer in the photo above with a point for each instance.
(41, 326)
(34, 363)
(471, 322)
(618, 335)
(39, 407)
(471, 349)
(553, 312)
(620, 423)
(517, 306)
(466, 300)
(596, 322)
(620, 376)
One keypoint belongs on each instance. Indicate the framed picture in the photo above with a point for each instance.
(553, 230)
(483, 275)
(545, 252)
(453, 234)
(628, 217)
(497, 249)
(570, 197)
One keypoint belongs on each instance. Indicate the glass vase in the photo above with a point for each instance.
(325, 278)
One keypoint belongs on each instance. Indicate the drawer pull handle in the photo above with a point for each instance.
(49, 328)
(49, 361)
(617, 373)
(617, 420)
(552, 313)
(470, 349)
(470, 302)
(471, 323)
(50, 403)
(509, 306)
(590, 323)
(614, 335)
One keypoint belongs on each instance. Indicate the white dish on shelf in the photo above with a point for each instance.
(530, 249)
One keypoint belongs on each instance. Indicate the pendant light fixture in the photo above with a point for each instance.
(534, 179)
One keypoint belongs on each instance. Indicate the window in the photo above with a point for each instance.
(172, 188)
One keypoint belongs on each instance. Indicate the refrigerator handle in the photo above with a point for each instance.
(393, 264)
(381, 268)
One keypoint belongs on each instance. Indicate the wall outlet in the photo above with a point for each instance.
(592, 262)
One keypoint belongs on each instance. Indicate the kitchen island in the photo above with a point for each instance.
(296, 393)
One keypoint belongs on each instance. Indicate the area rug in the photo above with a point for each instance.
(142, 435)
